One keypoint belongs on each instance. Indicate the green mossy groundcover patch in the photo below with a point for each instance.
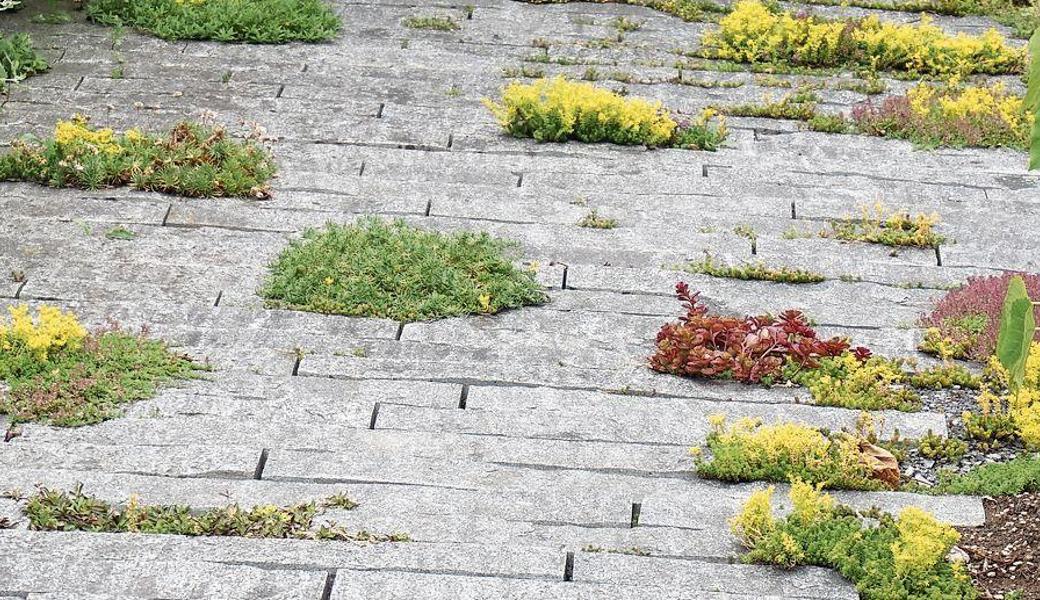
(886, 557)
(191, 160)
(60, 374)
(56, 510)
(251, 21)
(18, 59)
(376, 268)
(995, 479)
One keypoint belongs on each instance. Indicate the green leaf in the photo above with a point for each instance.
(1033, 93)
(1017, 327)
(1032, 102)
(1034, 145)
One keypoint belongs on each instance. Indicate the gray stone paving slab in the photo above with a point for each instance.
(530, 562)
(218, 462)
(159, 578)
(553, 445)
(435, 587)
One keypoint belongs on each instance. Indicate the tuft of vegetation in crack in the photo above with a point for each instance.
(435, 23)
(18, 59)
(254, 22)
(60, 374)
(376, 268)
(879, 225)
(593, 220)
(191, 160)
(58, 510)
(752, 272)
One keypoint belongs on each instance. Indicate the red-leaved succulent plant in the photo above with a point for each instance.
(750, 349)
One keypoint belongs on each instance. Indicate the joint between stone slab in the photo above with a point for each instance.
(375, 415)
(568, 567)
(400, 332)
(451, 140)
(379, 111)
(938, 256)
(361, 171)
(166, 215)
(18, 292)
(794, 209)
(637, 508)
(330, 582)
(464, 396)
(220, 295)
(261, 463)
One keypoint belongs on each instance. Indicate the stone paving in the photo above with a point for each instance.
(500, 444)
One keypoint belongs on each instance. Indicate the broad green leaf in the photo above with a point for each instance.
(1033, 99)
(1017, 327)
(1033, 93)
(1034, 145)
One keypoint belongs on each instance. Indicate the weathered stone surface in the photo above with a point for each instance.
(499, 443)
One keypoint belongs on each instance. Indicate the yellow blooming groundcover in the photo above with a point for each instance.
(52, 330)
(192, 159)
(557, 110)
(950, 115)
(754, 33)
(59, 373)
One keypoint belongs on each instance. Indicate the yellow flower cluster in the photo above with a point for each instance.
(1025, 405)
(77, 133)
(754, 33)
(557, 110)
(52, 330)
(923, 542)
(872, 384)
(784, 442)
(971, 102)
(755, 520)
(1021, 409)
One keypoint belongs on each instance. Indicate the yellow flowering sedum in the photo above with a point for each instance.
(750, 451)
(886, 558)
(753, 33)
(556, 110)
(972, 103)
(77, 133)
(1025, 405)
(52, 330)
(755, 521)
(923, 542)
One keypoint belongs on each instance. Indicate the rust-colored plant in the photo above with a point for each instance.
(750, 349)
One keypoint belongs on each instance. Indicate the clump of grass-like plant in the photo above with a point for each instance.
(255, 21)
(376, 268)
